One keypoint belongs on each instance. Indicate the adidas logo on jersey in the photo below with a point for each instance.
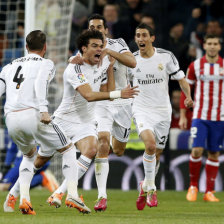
(65, 167)
(138, 70)
(25, 170)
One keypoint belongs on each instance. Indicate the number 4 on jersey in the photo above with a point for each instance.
(18, 79)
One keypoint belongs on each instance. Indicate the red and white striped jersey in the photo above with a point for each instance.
(209, 92)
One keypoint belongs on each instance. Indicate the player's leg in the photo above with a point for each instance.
(215, 145)
(199, 134)
(158, 154)
(102, 169)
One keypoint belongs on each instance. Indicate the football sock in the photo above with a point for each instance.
(15, 189)
(211, 168)
(194, 170)
(149, 163)
(101, 172)
(25, 176)
(157, 167)
(62, 188)
(70, 171)
(83, 165)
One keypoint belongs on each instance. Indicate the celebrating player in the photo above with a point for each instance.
(152, 108)
(25, 82)
(207, 129)
(75, 114)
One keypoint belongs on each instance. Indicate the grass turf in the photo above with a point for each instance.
(173, 208)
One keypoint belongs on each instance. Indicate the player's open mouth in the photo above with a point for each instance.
(97, 56)
(141, 45)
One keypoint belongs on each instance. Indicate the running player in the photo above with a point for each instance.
(152, 108)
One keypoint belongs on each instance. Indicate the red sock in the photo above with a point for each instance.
(194, 170)
(211, 167)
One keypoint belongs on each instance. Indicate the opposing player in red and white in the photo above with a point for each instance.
(75, 114)
(207, 129)
(151, 108)
(25, 82)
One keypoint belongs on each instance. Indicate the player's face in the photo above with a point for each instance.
(97, 24)
(212, 47)
(92, 52)
(144, 40)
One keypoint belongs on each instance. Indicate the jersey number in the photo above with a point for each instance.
(163, 138)
(18, 79)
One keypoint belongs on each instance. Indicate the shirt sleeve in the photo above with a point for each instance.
(45, 75)
(121, 46)
(75, 77)
(2, 83)
(191, 74)
(173, 68)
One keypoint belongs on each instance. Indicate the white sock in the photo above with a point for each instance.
(25, 177)
(83, 165)
(101, 172)
(62, 188)
(157, 167)
(15, 189)
(149, 163)
(70, 171)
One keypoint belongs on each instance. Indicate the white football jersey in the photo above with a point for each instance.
(74, 107)
(120, 70)
(152, 77)
(26, 82)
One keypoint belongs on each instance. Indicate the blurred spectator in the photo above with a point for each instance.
(116, 27)
(131, 11)
(99, 5)
(179, 45)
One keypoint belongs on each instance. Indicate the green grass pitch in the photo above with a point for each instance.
(172, 208)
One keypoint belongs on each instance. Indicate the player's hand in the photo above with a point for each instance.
(102, 55)
(45, 118)
(188, 102)
(77, 59)
(112, 61)
(129, 92)
(183, 123)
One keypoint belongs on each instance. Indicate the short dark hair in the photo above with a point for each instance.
(211, 36)
(145, 26)
(35, 40)
(98, 16)
(83, 39)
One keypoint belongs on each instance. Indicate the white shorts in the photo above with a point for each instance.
(115, 119)
(77, 131)
(154, 122)
(27, 132)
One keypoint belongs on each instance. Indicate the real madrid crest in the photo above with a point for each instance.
(160, 67)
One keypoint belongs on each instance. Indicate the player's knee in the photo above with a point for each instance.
(118, 152)
(103, 146)
(197, 152)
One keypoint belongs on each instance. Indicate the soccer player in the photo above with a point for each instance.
(75, 114)
(152, 108)
(207, 129)
(25, 82)
(113, 117)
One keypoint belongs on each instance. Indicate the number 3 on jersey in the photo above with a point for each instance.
(18, 78)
